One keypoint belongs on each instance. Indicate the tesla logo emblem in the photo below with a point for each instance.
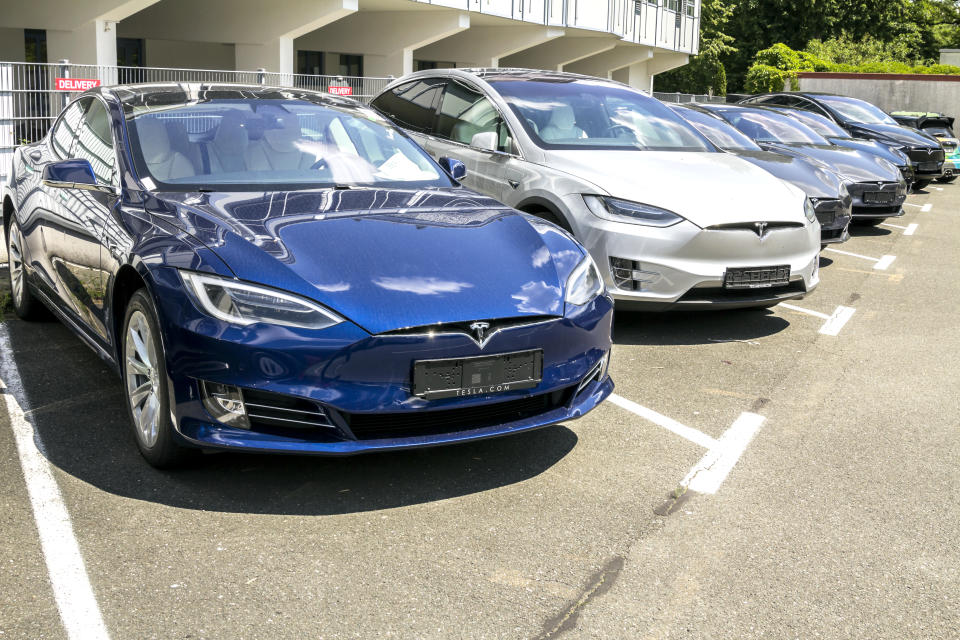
(760, 227)
(480, 328)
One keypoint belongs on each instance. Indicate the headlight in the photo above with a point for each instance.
(244, 304)
(632, 212)
(809, 211)
(584, 283)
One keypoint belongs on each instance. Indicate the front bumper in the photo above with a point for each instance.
(834, 216)
(927, 162)
(862, 209)
(354, 377)
(684, 265)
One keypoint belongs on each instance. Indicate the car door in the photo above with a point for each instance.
(462, 113)
(81, 216)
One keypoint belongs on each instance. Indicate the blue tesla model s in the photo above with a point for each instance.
(279, 270)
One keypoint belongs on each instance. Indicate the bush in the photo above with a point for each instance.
(774, 66)
(763, 78)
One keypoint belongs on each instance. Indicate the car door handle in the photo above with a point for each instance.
(513, 183)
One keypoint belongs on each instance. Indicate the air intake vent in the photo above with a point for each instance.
(269, 412)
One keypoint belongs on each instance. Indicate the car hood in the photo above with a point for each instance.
(727, 189)
(895, 133)
(882, 149)
(387, 259)
(812, 179)
(851, 164)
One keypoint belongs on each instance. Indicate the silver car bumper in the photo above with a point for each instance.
(685, 265)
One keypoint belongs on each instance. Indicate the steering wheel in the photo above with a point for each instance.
(319, 165)
(622, 127)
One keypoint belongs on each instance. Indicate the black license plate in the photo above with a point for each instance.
(929, 166)
(878, 197)
(757, 277)
(479, 375)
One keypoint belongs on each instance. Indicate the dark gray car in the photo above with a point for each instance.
(877, 187)
(826, 190)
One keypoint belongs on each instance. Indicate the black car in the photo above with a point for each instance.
(826, 190)
(876, 185)
(940, 126)
(864, 120)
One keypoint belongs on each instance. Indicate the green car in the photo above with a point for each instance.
(939, 126)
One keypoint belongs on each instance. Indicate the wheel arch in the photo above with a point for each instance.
(537, 204)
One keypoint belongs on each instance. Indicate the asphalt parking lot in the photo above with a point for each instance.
(789, 473)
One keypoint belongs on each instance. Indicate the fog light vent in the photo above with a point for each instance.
(225, 403)
(628, 274)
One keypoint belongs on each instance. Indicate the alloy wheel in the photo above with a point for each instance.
(15, 263)
(143, 378)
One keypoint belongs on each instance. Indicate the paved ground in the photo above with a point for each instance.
(839, 520)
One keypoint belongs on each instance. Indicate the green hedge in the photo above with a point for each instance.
(777, 66)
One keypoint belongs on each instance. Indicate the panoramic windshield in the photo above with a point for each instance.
(596, 115)
(856, 110)
(717, 131)
(766, 126)
(818, 123)
(251, 144)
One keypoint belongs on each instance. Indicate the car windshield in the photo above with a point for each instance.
(596, 115)
(718, 131)
(856, 110)
(249, 144)
(939, 132)
(767, 126)
(819, 123)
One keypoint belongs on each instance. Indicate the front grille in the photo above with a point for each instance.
(493, 326)
(376, 426)
(753, 226)
(925, 154)
(277, 413)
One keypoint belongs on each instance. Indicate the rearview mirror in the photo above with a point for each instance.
(456, 169)
(486, 140)
(75, 173)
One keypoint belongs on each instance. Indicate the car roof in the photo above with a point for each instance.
(172, 93)
(485, 74)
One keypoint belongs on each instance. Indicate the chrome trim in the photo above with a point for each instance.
(312, 424)
(432, 334)
(273, 408)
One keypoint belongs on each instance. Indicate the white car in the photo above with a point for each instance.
(670, 220)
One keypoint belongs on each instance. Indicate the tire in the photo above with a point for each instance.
(946, 180)
(144, 375)
(25, 304)
(921, 184)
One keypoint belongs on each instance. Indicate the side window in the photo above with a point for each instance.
(64, 133)
(95, 142)
(410, 105)
(465, 113)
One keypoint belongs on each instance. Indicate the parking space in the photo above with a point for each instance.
(760, 473)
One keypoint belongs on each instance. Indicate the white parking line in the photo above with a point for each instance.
(691, 434)
(708, 474)
(908, 230)
(834, 322)
(926, 207)
(881, 263)
(939, 188)
(71, 587)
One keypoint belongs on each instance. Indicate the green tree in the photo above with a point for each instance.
(705, 72)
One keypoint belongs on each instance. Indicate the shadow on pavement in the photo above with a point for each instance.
(75, 402)
(868, 231)
(695, 327)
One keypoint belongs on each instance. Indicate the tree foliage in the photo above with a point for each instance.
(705, 72)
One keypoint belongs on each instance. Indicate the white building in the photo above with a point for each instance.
(627, 40)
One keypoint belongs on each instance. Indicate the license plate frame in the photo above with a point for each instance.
(745, 278)
(878, 197)
(477, 375)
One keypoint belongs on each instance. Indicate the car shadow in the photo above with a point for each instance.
(75, 402)
(825, 261)
(868, 231)
(695, 327)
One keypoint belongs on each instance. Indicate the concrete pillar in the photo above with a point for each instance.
(664, 61)
(95, 42)
(486, 46)
(604, 64)
(276, 55)
(558, 53)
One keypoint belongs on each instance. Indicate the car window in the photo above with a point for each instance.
(718, 131)
(588, 114)
(95, 142)
(64, 133)
(856, 110)
(769, 126)
(277, 143)
(465, 112)
(411, 105)
(821, 124)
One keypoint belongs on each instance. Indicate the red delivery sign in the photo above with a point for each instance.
(340, 91)
(76, 84)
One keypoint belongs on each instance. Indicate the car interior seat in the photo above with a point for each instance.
(162, 160)
(227, 150)
(278, 148)
(180, 142)
(562, 125)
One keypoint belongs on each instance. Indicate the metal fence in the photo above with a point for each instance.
(33, 94)
(686, 97)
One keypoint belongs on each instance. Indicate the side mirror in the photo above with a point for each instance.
(74, 173)
(486, 140)
(456, 169)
